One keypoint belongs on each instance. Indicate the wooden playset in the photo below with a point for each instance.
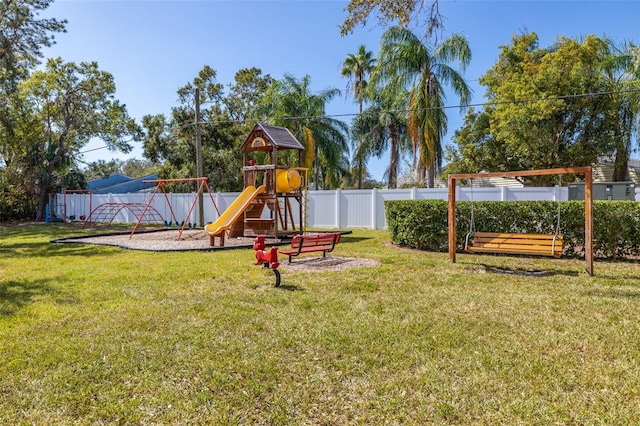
(278, 211)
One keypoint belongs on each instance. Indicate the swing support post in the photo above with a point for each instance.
(451, 213)
(588, 204)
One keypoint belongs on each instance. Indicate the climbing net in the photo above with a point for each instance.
(107, 212)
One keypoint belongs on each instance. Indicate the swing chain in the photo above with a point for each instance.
(559, 207)
(472, 220)
(472, 223)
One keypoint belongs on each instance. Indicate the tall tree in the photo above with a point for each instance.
(245, 93)
(223, 118)
(22, 37)
(382, 126)
(406, 61)
(540, 111)
(290, 103)
(549, 107)
(357, 68)
(171, 141)
(70, 105)
(621, 68)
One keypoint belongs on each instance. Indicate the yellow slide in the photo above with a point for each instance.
(234, 211)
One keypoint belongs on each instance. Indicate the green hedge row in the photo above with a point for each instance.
(422, 224)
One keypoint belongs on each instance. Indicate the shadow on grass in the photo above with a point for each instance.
(35, 239)
(37, 230)
(614, 293)
(621, 276)
(535, 273)
(288, 287)
(351, 239)
(45, 249)
(15, 295)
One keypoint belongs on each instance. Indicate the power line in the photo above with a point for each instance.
(101, 147)
(482, 104)
(93, 149)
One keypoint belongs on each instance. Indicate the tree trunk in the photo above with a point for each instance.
(45, 184)
(42, 202)
(421, 169)
(621, 165)
(317, 172)
(360, 167)
(393, 158)
(431, 177)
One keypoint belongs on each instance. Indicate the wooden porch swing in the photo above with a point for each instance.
(513, 243)
(539, 244)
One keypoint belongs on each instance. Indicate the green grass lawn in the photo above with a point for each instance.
(94, 334)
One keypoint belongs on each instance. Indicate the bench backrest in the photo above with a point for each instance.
(312, 240)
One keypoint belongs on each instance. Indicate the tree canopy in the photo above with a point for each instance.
(407, 62)
(548, 107)
(224, 121)
(22, 37)
(390, 12)
(290, 103)
(383, 126)
(574, 103)
(357, 68)
(68, 105)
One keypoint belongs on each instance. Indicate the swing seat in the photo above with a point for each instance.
(529, 244)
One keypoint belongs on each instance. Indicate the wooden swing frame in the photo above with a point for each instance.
(588, 204)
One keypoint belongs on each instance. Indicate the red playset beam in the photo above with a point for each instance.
(160, 185)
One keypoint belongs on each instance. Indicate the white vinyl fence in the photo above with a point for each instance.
(326, 209)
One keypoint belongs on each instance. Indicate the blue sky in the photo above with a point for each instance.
(154, 47)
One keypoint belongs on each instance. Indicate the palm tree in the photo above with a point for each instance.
(621, 67)
(383, 125)
(406, 61)
(289, 103)
(356, 68)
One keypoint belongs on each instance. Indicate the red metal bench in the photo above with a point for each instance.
(309, 243)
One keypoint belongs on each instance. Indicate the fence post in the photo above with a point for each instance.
(217, 204)
(338, 208)
(503, 193)
(374, 209)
